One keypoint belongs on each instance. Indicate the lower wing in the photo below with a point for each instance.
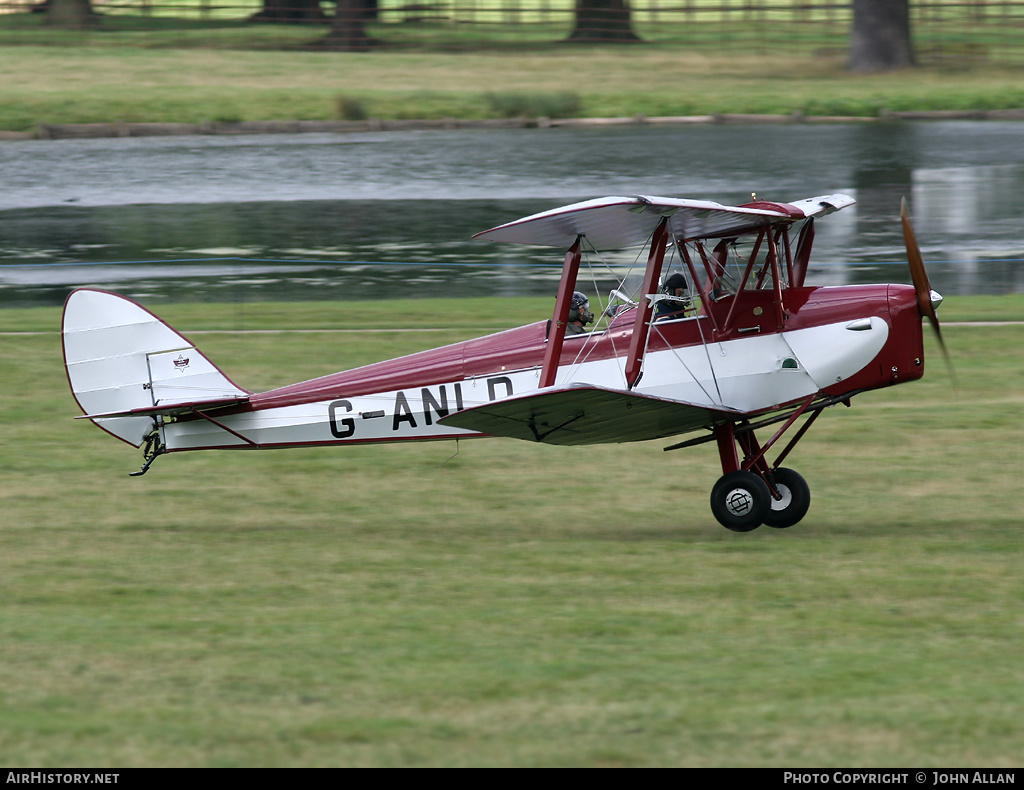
(586, 414)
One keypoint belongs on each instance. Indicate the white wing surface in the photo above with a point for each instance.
(617, 222)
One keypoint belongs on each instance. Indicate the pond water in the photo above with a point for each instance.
(391, 214)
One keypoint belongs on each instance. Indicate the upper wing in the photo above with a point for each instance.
(585, 414)
(617, 222)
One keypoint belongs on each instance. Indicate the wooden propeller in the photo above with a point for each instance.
(919, 275)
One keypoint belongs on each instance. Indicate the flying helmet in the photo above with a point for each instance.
(579, 308)
(674, 281)
(675, 303)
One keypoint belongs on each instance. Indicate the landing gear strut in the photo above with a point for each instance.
(751, 491)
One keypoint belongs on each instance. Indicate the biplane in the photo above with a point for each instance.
(737, 352)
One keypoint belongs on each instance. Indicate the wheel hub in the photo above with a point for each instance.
(785, 498)
(739, 502)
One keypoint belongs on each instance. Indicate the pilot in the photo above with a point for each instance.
(675, 285)
(579, 314)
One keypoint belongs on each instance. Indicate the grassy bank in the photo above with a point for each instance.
(513, 604)
(84, 84)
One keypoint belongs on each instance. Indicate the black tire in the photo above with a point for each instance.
(796, 498)
(740, 500)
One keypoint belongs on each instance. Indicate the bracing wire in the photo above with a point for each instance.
(590, 254)
(451, 457)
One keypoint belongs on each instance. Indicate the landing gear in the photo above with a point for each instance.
(752, 491)
(794, 499)
(740, 500)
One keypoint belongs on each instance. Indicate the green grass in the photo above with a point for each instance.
(177, 79)
(514, 604)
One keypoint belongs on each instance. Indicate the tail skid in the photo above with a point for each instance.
(153, 447)
(128, 369)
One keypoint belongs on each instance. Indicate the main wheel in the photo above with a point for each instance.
(740, 501)
(796, 498)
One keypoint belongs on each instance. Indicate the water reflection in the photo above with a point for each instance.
(334, 217)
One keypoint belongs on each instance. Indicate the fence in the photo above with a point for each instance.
(990, 31)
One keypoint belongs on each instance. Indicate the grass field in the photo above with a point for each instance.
(510, 604)
(166, 80)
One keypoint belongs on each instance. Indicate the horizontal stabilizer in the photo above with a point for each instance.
(585, 414)
(171, 409)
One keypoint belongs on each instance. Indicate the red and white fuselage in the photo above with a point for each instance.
(835, 339)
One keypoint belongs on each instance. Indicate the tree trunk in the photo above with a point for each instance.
(603, 21)
(72, 14)
(880, 40)
(348, 31)
(290, 11)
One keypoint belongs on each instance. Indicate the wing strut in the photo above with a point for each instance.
(553, 352)
(803, 254)
(642, 324)
(702, 292)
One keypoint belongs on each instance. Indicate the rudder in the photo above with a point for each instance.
(121, 359)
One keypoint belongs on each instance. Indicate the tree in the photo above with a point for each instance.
(74, 14)
(348, 31)
(603, 20)
(880, 40)
(290, 11)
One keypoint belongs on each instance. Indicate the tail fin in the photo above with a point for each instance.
(126, 366)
